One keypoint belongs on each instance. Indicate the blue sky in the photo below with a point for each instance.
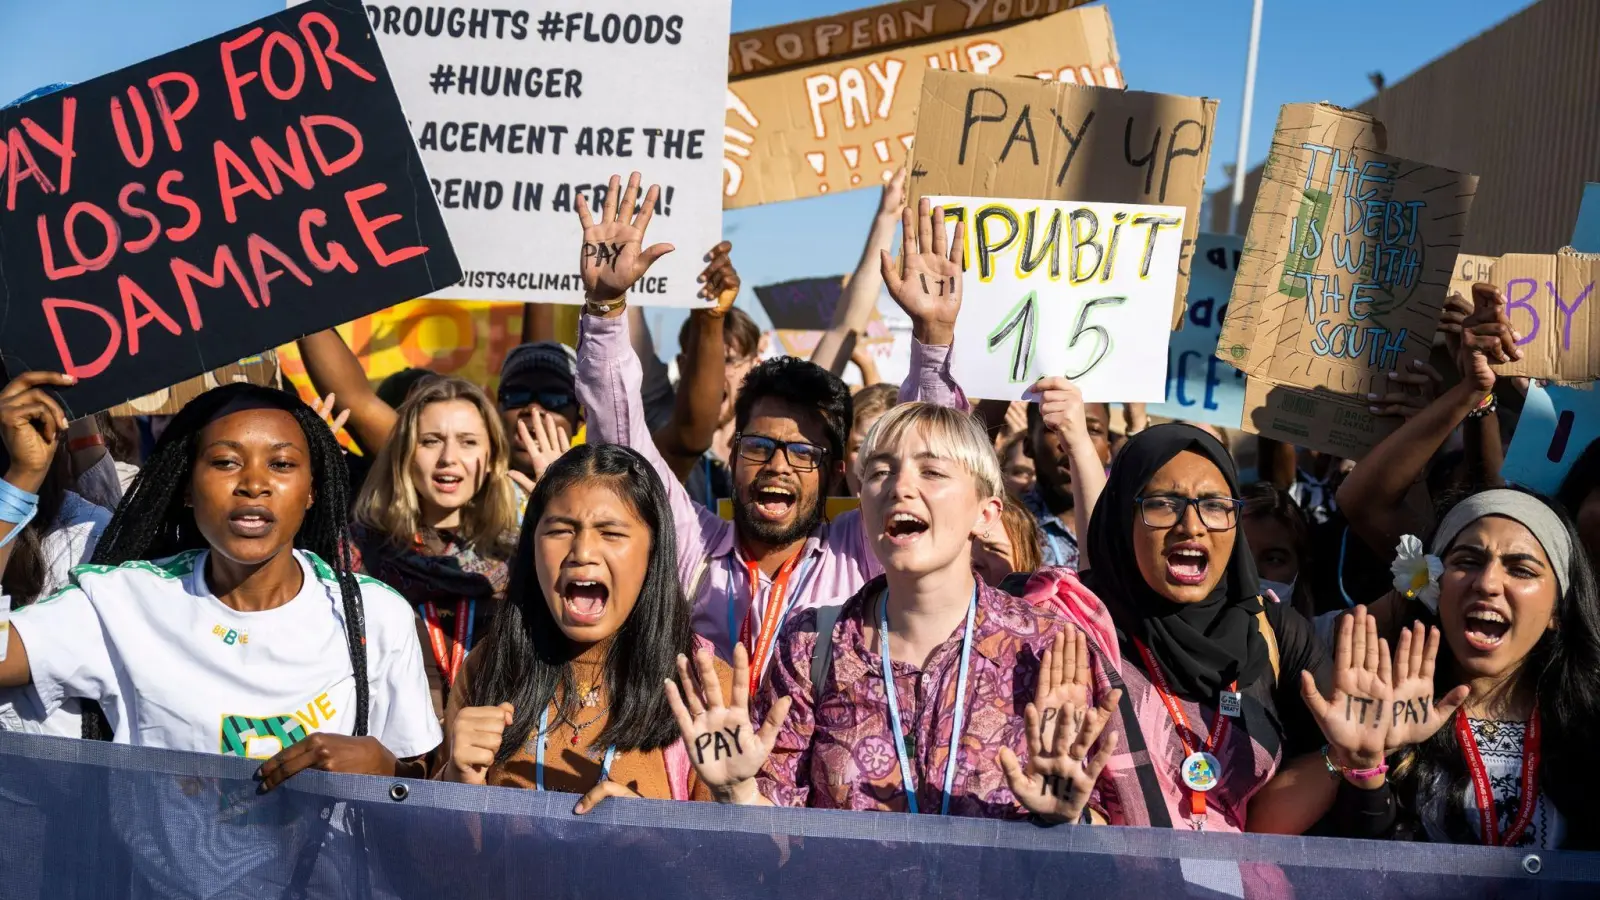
(1309, 52)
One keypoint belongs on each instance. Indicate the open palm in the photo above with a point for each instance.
(1415, 715)
(724, 747)
(1355, 716)
(614, 256)
(927, 281)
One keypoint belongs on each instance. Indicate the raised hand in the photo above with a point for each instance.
(32, 426)
(719, 280)
(614, 256)
(545, 442)
(1487, 338)
(1061, 728)
(324, 410)
(475, 736)
(1061, 405)
(724, 747)
(1355, 717)
(927, 281)
(1400, 400)
(1414, 714)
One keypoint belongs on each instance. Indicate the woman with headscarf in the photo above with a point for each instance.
(1492, 745)
(1210, 668)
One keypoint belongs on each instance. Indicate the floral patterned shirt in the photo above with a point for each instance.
(840, 753)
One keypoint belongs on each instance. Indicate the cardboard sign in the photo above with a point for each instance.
(879, 28)
(1551, 300)
(849, 123)
(1470, 270)
(262, 370)
(1074, 289)
(207, 204)
(1348, 258)
(804, 304)
(1314, 419)
(521, 109)
(1200, 387)
(1557, 425)
(1011, 137)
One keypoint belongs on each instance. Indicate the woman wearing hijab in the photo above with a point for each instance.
(1210, 669)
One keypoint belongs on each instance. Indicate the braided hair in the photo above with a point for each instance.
(153, 520)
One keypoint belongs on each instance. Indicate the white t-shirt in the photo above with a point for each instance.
(70, 542)
(173, 666)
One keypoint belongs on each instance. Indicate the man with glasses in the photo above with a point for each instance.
(791, 418)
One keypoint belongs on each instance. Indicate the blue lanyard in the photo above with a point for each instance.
(800, 584)
(894, 706)
(538, 754)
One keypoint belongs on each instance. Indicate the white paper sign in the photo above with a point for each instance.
(521, 107)
(1061, 288)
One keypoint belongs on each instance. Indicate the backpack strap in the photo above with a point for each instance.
(676, 756)
(822, 653)
(1155, 802)
(1270, 635)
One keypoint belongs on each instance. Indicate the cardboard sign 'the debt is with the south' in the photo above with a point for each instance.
(205, 205)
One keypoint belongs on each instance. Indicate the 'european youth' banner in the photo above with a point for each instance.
(88, 819)
(1201, 387)
(205, 205)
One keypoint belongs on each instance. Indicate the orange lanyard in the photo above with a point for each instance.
(451, 659)
(1485, 793)
(1200, 771)
(772, 618)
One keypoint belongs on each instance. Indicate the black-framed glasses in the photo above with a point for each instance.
(517, 398)
(1165, 511)
(802, 457)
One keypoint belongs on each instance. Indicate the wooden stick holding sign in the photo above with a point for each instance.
(1081, 290)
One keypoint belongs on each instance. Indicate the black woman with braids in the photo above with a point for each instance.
(221, 613)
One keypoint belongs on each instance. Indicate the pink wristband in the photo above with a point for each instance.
(1382, 769)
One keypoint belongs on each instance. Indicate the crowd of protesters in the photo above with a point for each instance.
(1056, 611)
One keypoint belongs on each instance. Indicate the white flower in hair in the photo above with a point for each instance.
(1416, 574)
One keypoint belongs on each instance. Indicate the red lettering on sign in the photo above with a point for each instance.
(172, 198)
(335, 258)
(112, 235)
(309, 125)
(48, 255)
(321, 54)
(61, 148)
(169, 116)
(119, 122)
(51, 307)
(125, 203)
(22, 166)
(259, 248)
(154, 313)
(231, 75)
(279, 39)
(297, 168)
(223, 264)
(369, 227)
(227, 159)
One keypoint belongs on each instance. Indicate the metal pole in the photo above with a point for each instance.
(1239, 170)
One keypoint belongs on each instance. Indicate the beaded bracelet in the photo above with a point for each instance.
(1337, 770)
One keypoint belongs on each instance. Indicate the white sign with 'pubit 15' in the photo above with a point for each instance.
(1082, 290)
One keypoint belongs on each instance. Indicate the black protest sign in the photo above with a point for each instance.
(208, 204)
(804, 304)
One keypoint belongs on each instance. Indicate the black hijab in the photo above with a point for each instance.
(1201, 647)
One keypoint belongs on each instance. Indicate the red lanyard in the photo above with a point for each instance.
(771, 618)
(1485, 793)
(1197, 798)
(449, 660)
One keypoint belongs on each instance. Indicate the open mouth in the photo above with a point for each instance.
(251, 521)
(903, 528)
(585, 601)
(773, 502)
(447, 483)
(1187, 564)
(1485, 629)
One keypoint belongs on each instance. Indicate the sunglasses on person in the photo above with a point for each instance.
(517, 398)
(802, 457)
(1165, 511)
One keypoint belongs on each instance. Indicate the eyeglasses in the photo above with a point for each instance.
(1216, 513)
(516, 398)
(802, 457)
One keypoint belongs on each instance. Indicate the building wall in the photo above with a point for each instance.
(1518, 106)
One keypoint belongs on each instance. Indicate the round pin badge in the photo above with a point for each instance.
(1201, 771)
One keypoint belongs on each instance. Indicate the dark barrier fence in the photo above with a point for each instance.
(88, 820)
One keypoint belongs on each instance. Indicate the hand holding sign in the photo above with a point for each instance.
(1061, 729)
(614, 256)
(724, 747)
(927, 283)
(31, 425)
